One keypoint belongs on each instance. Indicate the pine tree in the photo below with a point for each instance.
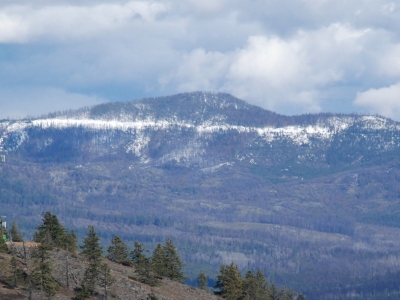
(249, 287)
(91, 245)
(229, 282)
(158, 261)
(274, 292)
(81, 293)
(93, 251)
(118, 251)
(91, 276)
(105, 278)
(202, 281)
(255, 287)
(15, 234)
(142, 264)
(3, 267)
(16, 272)
(3, 244)
(51, 232)
(71, 241)
(286, 294)
(42, 271)
(173, 263)
(262, 286)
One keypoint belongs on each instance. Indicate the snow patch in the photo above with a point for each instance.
(216, 168)
(138, 144)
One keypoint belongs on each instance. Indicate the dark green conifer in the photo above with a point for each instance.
(202, 281)
(105, 278)
(3, 244)
(41, 272)
(71, 241)
(91, 245)
(173, 263)
(81, 293)
(158, 261)
(286, 294)
(229, 282)
(274, 292)
(93, 251)
(249, 287)
(262, 286)
(118, 251)
(142, 264)
(50, 232)
(15, 234)
(91, 276)
(16, 272)
(255, 286)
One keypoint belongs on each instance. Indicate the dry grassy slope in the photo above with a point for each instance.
(123, 288)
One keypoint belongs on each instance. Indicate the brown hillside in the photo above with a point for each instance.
(123, 288)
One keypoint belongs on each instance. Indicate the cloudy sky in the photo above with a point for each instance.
(290, 56)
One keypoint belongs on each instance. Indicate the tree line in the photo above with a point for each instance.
(232, 286)
(34, 271)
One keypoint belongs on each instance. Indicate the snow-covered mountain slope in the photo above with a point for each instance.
(188, 129)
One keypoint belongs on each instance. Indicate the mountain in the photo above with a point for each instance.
(312, 200)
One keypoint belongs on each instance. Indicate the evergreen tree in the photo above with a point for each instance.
(142, 264)
(93, 251)
(71, 241)
(158, 261)
(202, 281)
(3, 267)
(229, 282)
(249, 286)
(262, 286)
(3, 244)
(16, 272)
(287, 294)
(81, 293)
(91, 276)
(274, 292)
(42, 271)
(255, 286)
(15, 234)
(118, 251)
(105, 278)
(51, 232)
(173, 263)
(91, 245)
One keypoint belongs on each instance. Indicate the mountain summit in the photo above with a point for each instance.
(178, 129)
(299, 197)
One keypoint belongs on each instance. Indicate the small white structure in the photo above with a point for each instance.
(2, 158)
(3, 222)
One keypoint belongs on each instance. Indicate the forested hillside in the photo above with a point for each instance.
(50, 267)
(312, 200)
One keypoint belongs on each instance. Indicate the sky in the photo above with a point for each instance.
(289, 56)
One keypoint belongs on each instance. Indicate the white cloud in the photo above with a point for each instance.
(389, 60)
(21, 102)
(384, 101)
(292, 56)
(22, 23)
(276, 73)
